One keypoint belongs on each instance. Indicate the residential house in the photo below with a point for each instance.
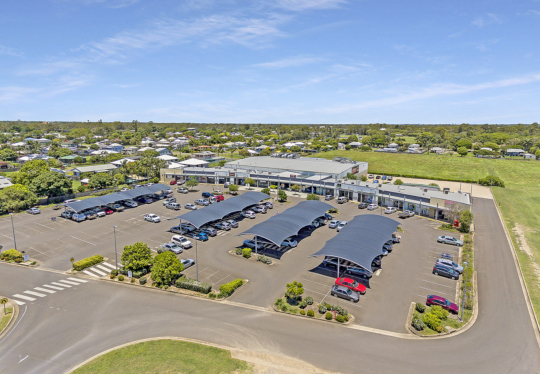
(93, 169)
(204, 155)
(4, 182)
(355, 144)
(102, 152)
(114, 147)
(515, 152)
(341, 146)
(129, 151)
(141, 150)
(163, 151)
(529, 156)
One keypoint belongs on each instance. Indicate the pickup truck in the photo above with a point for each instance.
(406, 214)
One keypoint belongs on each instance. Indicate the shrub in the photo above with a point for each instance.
(11, 255)
(302, 305)
(266, 191)
(327, 306)
(33, 263)
(439, 312)
(264, 259)
(142, 281)
(340, 310)
(312, 196)
(239, 251)
(121, 278)
(112, 276)
(328, 316)
(333, 210)
(398, 182)
(303, 312)
(469, 303)
(417, 324)
(346, 318)
(284, 308)
(87, 262)
(212, 295)
(191, 284)
(114, 272)
(322, 309)
(278, 302)
(487, 181)
(309, 300)
(228, 288)
(439, 329)
(246, 252)
(222, 295)
(132, 280)
(420, 307)
(340, 318)
(431, 321)
(310, 313)
(447, 226)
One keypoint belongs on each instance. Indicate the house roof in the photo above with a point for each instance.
(95, 168)
(193, 162)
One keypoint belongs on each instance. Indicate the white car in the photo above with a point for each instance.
(190, 206)
(100, 213)
(341, 225)
(131, 204)
(389, 210)
(372, 206)
(249, 214)
(169, 200)
(181, 241)
(151, 217)
(124, 189)
(289, 242)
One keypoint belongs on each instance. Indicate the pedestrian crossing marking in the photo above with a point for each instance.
(92, 274)
(35, 293)
(44, 290)
(78, 280)
(68, 282)
(98, 271)
(53, 287)
(103, 268)
(61, 284)
(24, 297)
(109, 265)
(19, 302)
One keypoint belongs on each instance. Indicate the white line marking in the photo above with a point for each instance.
(60, 284)
(429, 289)
(43, 290)
(103, 268)
(109, 265)
(9, 237)
(221, 279)
(19, 302)
(22, 359)
(438, 284)
(24, 297)
(81, 240)
(17, 324)
(39, 252)
(78, 280)
(101, 274)
(119, 264)
(92, 274)
(44, 226)
(35, 293)
(320, 293)
(322, 284)
(209, 276)
(53, 287)
(68, 282)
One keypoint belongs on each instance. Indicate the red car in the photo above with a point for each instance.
(442, 302)
(352, 284)
(172, 182)
(108, 211)
(219, 197)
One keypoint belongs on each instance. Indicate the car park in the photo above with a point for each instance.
(372, 206)
(131, 204)
(351, 284)
(289, 242)
(345, 293)
(341, 200)
(260, 209)
(362, 206)
(33, 211)
(90, 214)
(66, 214)
(450, 264)
(78, 217)
(188, 262)
(181, 241)
(173, 247)
(173, 206)
(250, 243)
(222, 226)
(182, 190)
(447, 256)
(117, 207)
(449, 240)
(169, 200)
(200, 236)
(341, 225)
(210, 231)
(248, 214)
(207, 195)
(389, 210)
(202, 202)
(190, 206)
(334, 224)
(442, 302)
(233, 223)
(359, 272)
(182, 228)
(445, 271)
(151, 217)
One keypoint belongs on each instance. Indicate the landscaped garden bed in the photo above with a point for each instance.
(248, 254)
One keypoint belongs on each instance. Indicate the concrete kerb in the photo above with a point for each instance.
(532, 314)
(27, 264)
(350, 321)
(13, 318)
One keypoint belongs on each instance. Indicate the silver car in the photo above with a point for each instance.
(450, 264)
(190, 206)
(345, 293)
(334, 224)
(341, 225)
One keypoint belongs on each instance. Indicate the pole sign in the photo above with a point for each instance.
(130, 273)
(26, 258)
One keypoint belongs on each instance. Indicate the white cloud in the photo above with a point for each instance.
(488, 19)
(308, 4)
(289, 62)
(8, 51)
(535, 12)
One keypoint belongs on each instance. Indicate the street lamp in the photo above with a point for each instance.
(461, 180)
(115, 253)
(464, 290)
(196, 260)
(13, 228)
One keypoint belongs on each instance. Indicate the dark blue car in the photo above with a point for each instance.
(206, 195)
(201, 236)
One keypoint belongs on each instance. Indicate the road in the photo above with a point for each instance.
(56, 332)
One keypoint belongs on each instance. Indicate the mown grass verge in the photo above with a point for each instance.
(5, 317)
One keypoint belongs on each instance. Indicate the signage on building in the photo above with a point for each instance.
(355, 169)
(293, 176)
(448, 202)
(231, 174)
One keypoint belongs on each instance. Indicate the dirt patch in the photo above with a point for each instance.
(267, 363)
(523, 245)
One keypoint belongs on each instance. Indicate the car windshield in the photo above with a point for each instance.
(447, 302)
(349, 291)
(355, 284)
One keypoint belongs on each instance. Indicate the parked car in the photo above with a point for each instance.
(341, 225)
(181, 241)
(207, 195)
(406, 214)
(341, 200)
(445, 271)
(248, 214)
(351, 284)
(250, 243)
(378, 177)
(222, 226)
(131, 204)
(362, 205)
(331, 261)
(90, 214)
(360, 272)
(269, 205)
(202, 202)
(173, 247)
(173, 206)
(187, 262)
(447, 256)
(124, 189)
(117, 207)
(151, 217)
(388, 247)
(329, 197)
(383, 177)
(260, 209)
(334, 224)
(66, 214)
(210, 231)
(450, 264)
(190, 206)
(219, 198)
(289, 242)
(442, 302)
(173, 182)
(33, 211)
(345, 293)
(372, 206)
(212, 200)
(58, 206)
(159, 196)
(233, 223)
(390, 177)
(137, 186)
(226, 184)
(328, 216)
(376, 181)
(200, 236)
(100, 213)
(449, 240)
(390, 210)
(182, 190)
(370, 176)
(183, 228)
(377, 261)
(78, 217)
(108, 211)
(169, 200)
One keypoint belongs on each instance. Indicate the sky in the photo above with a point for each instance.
(271, 61)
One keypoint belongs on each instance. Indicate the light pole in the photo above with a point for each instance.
(461, 180)
(464, 290)
(196, 261)
(13, 228)
(115, 253)
(492, 177)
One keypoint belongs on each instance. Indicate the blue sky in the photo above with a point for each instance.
(275, 61)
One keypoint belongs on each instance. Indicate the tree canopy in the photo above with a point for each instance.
(136, 256)
(166, 267)
(30, 170)
(100, 180)
(51, 184)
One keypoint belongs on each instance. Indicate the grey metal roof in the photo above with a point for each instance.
(284, 225)
(307, 164)
(95, 168)
(361, 240)
(219, 210)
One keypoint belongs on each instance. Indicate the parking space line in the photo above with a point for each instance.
(326, 295)
(28, 227)
(44, 226)
(322, 284)
(307, 289)
(39, 252)
(221, 279)
(210, 275)
(438, 284)
(9, 237)
(81, 240)
(429, 289)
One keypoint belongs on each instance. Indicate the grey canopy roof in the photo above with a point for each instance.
(361, 240)
(94, 202)
(284, 225)
(219, 210)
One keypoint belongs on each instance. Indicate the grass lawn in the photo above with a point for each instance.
(519, 201)
(5, 317)
(165, 356)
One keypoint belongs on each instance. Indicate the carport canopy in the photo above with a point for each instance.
(94, 202)
(218, 211)
(361, 240)
(284, 225)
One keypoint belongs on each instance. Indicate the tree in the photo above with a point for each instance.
(243, 153)
(166, 267)
(222, 163)
(265, 152)
(94, 147)
(363, 178)
(192, 182)
(351, 176)
(51, 184)
(493, 146)
(282, 196)
(312, 196)
(398, 182)
(465, 220)
(249, 181)
(266, 191)
(100, 180)
(233, 188)
(294, 290)
(136, 256)
(78, 160)
(15, 198)
(462, 151)
(352, 138)
(7, 154)
(30, 171)
(295, 187)
(537, 154)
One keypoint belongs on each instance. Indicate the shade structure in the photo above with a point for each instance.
(218, 211)
(284, 225)
(79, 206)
(361, 240)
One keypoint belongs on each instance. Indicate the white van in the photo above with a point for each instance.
(181, 241)
(212, 200)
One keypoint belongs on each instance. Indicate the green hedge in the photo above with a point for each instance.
(228, 288)
(11, 255)
(87, 262)
(191, 284)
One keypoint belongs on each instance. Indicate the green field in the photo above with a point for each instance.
(519, 201)
(165, 356)
(5, 317)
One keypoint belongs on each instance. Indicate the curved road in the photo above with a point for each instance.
(57, 332)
